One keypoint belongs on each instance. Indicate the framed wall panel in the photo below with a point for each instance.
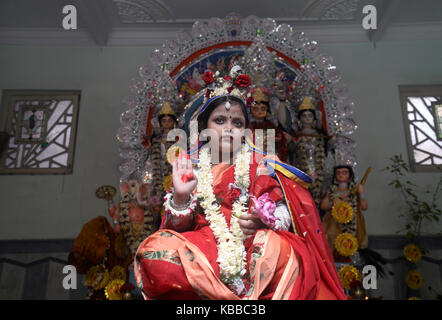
(41, 130)
(421, 127)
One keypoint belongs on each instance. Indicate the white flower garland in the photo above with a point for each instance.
(231, 251)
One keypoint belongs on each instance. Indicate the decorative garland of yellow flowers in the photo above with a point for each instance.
(231, 251)
(97, 277)
(346, 244)
(348, 274)
(118, 273)
(342, 212)
(414, 279)
(412, 253)
(112, 290)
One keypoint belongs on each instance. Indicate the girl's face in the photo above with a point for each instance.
(229, 126)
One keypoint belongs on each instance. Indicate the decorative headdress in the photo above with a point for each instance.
(236, 84)
(260, 94)
(166, 110)
(306, 105)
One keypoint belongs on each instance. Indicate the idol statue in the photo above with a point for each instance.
(310, 147)
(344, 223)
(261, 112)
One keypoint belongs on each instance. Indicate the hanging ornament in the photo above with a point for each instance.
(346, 244)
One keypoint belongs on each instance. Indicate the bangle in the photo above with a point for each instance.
(182, 210)
(362, 196)
(180, 207)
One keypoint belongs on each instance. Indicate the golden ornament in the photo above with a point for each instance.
(118, 273)
(112, 290)
(348, 274)
(346, 244)
(412, 253)
(414, 279)
(173, 153)
(259, 95)
(414, 298)
(342, 212)
(306, 105)
(167, 183)
(166, 110)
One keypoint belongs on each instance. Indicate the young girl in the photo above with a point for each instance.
(243, 227)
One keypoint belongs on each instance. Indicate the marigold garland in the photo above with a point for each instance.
(414, 279)
(118, 273)
(412, 253)
(97, 277)
(342, 212)
(112, 290)
(348, 274)
(346, 244)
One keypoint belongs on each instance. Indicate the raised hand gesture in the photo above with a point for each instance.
(184, 181)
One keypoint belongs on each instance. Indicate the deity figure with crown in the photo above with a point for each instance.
(309, 152)
(260, 113)
(344, 223)
(160, 169)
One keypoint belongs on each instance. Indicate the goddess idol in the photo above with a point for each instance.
(245, 227)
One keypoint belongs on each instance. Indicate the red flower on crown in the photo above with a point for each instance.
(242, 80)
(208, 77)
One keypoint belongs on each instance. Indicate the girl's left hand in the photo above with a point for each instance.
(250, 223)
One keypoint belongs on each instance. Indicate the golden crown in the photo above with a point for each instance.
(166, 109)
(258, 94)
(306, 105)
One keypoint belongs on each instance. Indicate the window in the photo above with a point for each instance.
(39, 132)
(422, 113)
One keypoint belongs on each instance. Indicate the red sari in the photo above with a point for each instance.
(280, 264)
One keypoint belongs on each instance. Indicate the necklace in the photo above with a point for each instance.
(231, 251)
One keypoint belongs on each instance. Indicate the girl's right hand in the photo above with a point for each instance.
(183, 178)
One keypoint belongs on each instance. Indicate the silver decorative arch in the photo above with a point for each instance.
(265, 47)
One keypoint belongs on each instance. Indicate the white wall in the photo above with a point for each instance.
(56, 206)
(373, 76)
